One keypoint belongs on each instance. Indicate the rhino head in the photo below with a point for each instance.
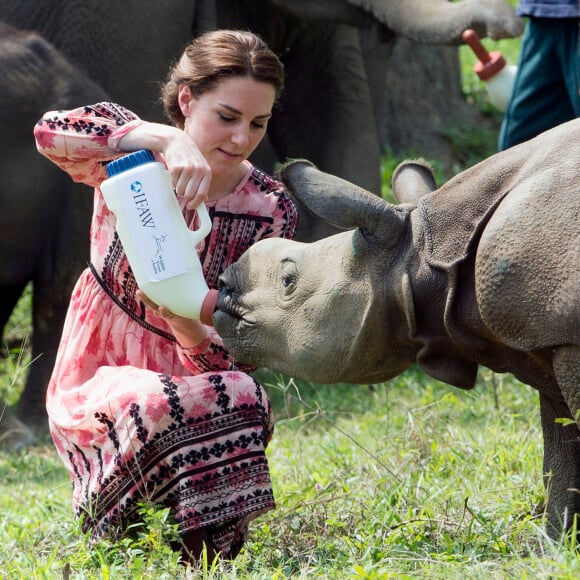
(324, 311)
(484, 270)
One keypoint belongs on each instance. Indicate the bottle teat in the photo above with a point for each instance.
(490, 63)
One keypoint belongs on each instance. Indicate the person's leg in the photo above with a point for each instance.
(570, 56)
(540, 98)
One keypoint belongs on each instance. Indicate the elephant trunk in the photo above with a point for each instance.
(443, 22)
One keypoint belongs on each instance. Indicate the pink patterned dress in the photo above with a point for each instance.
(134, 416)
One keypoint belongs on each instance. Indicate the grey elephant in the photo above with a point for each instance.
(45, 218)
(327, 111)
(482, 271)
(335, 54)
(42, 211)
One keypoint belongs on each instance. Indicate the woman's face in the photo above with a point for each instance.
(229, 122)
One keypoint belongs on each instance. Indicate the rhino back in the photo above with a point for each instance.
(523, 204)
(528, 263)
(455, 214)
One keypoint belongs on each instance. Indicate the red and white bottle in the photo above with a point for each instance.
(493, 70)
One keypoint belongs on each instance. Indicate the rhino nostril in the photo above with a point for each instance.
(226, 282)
(223, 286)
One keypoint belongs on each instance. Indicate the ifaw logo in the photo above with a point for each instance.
(136, 186)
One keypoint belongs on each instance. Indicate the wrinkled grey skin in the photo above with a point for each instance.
(43, 211)
(426, 21)
(484, 270)
(127, 46)
(327, 112)
(118, 46)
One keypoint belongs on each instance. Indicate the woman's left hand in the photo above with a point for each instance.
(188, 332)
(160, 310)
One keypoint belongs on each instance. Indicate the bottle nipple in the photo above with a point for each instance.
(490, 63)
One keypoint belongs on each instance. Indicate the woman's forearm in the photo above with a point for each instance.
(81, 139)
(152, 136)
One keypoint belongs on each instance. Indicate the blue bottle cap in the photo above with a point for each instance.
(129, 161)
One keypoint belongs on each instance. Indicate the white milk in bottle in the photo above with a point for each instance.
(159, 245)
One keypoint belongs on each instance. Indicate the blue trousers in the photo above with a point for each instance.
(547, 83)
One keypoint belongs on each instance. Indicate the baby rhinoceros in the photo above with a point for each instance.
(484, 270)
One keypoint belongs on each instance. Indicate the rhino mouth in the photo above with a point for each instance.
(231, 318)
(228, 304)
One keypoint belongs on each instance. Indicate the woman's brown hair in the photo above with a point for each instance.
(216, 55)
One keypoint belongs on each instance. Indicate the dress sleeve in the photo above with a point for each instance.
(209, 355)
(82, 141)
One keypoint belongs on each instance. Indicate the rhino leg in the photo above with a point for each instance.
(562, 443)
(566, 364)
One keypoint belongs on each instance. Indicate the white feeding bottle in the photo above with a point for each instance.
(493, 70)
(161, 249)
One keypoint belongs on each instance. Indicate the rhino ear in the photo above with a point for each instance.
(411, 180)
(336, 200)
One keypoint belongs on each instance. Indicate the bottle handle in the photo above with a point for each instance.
(204, 225)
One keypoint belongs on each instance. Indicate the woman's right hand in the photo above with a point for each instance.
(189, 170)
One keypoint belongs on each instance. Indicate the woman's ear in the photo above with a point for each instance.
(184, 98)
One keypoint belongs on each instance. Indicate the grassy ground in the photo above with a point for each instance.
(406, 479)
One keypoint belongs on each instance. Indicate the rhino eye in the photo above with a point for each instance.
(288, 277)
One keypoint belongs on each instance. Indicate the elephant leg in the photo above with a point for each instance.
(328, 117)
(14, 435)
(561, 465)
(9, 296)
(49, 310)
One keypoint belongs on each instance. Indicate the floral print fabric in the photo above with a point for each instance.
(134, 416)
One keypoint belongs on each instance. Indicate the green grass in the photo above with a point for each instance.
(407, 479)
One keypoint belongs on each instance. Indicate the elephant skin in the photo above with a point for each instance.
(336, 80)
(430, 22)
(126, 48)
(482, 271)
(327, 112)
(44, 211)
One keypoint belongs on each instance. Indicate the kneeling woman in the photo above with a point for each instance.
(144, 405)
